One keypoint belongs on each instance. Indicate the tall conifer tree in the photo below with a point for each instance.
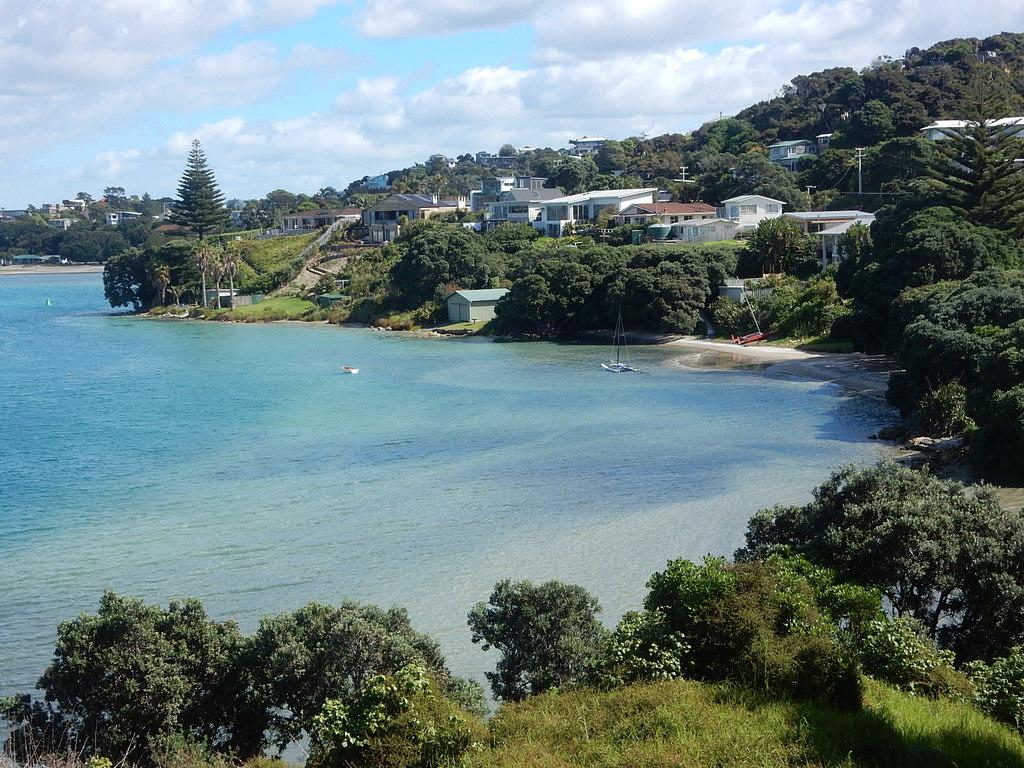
(200, 203)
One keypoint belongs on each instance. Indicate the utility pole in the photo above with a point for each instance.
(860, 170)
(809, 187)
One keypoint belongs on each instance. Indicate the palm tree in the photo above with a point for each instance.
(217, 271)
(176, 291)
(230, 263)
(160, 278)
(202, 256)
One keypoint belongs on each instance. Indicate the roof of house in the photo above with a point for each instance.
(667, 208)
(825, 215)
(793, 143)
(964, 123)
(742, 198)
(586, 196)
(843, 227)
(414, 200)
(483, 294)
(529, 195)
(703, 222)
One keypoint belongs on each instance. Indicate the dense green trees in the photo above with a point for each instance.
(437, 256)
(548, 636)
(950, 558)
(129, 680)
(780, 245)
(559, 290)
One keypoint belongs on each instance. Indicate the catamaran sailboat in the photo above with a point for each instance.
(621, 351)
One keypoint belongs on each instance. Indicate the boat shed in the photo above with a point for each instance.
(473, 306)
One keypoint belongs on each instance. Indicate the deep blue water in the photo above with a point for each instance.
(235, 463)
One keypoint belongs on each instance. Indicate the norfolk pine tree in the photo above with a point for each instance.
(200, 203)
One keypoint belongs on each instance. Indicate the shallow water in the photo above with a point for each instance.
(236, 463)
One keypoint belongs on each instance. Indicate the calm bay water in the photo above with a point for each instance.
(235, 463)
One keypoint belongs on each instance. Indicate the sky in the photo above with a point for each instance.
(302, 94)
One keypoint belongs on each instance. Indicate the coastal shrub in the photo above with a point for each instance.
(756, 623)
(943, 411)
(999, 687)
(126, 679)
(642, 647)
(303, 658)
(548, 636)
(401, 720)
(950, 557)
(899, 653)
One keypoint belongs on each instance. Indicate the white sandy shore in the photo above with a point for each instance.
(54, 269)
(751, 353)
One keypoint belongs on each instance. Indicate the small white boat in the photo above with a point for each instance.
(349, 369)
(619, 367)
(621, 351)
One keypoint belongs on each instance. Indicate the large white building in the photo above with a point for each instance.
(573, 210)
(750, 210)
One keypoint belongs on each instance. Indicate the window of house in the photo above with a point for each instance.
(674, 219)
(580, 212)
(772, 207)
(734, 211)
(748, 209)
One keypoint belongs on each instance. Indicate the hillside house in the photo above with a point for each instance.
(377, 183)
(704, 231)
(583, 208)
(666, 213)
(306, 221)
(832, 239)
(61, 224)
(586, 145)
(813, 222)
(789, 154)
(116, 218)
(750, 210)
(473, 306)
(382, 219)
(518, 206)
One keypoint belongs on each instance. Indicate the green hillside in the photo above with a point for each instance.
(685, 723)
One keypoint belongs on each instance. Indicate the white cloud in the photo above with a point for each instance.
(609, 67)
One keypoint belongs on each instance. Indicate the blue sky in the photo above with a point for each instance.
(301, 94)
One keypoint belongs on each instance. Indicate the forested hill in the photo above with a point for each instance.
(881, 107)
(896, 97)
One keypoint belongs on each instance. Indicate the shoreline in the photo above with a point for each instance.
(43, 269)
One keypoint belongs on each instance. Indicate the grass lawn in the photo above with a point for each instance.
(692, 725)
(277, 308)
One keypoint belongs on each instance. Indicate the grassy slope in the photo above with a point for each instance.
(690, 724)
(270, 255)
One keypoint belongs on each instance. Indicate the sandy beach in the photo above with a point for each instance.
(52, 269)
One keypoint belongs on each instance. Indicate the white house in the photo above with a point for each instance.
(377, 183)
(938, 130)
(704, 231)
(666, 213)
(573, 210)
(61, 224)
(518, 206)
(115, 218)
(750, 210)
(383, 218)
(586, 145)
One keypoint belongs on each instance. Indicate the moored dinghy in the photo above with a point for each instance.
(349, 369)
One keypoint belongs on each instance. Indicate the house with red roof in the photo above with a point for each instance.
(665, 213)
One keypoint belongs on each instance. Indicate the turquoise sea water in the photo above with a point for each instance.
(235, 463)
